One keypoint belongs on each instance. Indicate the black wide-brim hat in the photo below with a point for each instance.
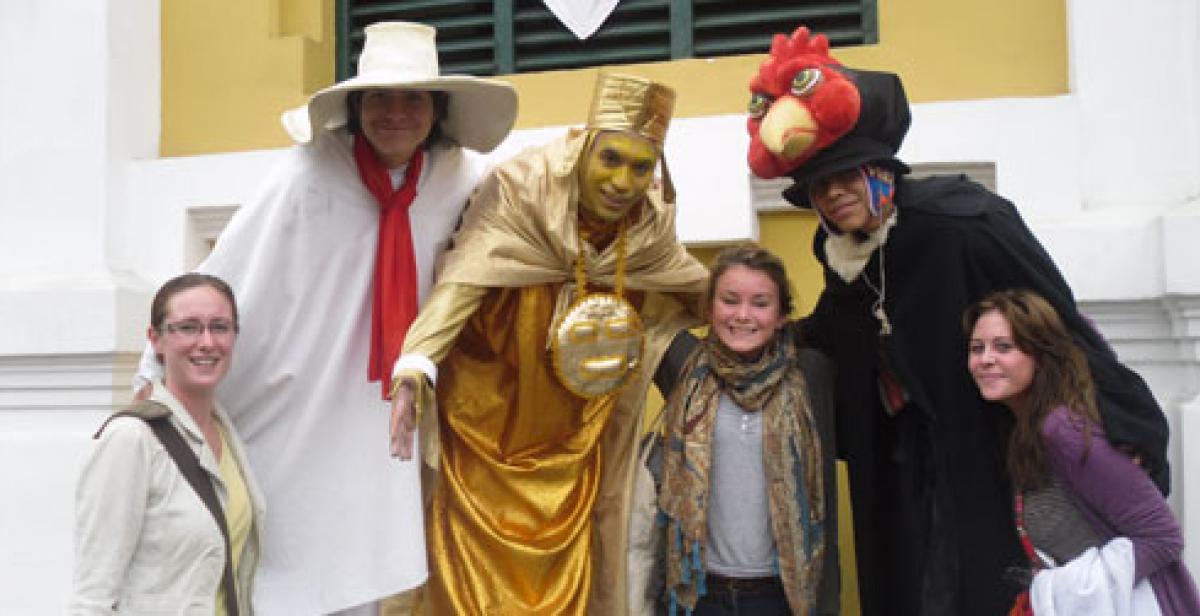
(883, 121)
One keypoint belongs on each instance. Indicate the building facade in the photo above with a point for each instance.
(130, 131)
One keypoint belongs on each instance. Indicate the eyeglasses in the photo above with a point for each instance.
(194, 329)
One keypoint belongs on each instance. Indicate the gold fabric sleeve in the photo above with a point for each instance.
(441, 319)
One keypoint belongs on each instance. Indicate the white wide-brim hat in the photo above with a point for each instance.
(404, 55)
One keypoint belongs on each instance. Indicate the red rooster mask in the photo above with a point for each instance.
(811, 117)
(801, 102)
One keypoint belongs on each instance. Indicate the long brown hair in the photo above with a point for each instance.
(1060, 378)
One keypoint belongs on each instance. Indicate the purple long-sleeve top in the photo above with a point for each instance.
(1119, 500)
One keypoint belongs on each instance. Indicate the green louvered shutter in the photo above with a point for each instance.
(731, 27)
(514, 36)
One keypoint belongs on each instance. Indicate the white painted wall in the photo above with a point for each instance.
(1138, 74)
(78, 98)
(91, 221)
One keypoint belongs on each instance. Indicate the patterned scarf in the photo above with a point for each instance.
(775, 385)
(394, 305)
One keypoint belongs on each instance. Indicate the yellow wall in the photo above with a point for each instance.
(231, 66)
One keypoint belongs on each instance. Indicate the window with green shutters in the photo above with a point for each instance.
(516, 36)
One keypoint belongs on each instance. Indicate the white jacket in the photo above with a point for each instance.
(144, 541)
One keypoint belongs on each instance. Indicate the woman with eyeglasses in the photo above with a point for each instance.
(1098, 535)
(150, 536)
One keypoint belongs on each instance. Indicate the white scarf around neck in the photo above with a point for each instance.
(848, 256)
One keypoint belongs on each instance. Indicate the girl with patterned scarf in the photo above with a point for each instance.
(748, 491)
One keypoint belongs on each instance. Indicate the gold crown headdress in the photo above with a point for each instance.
(635, 104)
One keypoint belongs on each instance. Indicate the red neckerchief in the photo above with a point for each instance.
(1023, 605)
(394, 305)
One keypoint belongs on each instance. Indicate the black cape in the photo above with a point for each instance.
(933, 518)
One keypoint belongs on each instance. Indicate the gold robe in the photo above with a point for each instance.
(529, 510)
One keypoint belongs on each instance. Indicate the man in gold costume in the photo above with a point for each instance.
(563, 288)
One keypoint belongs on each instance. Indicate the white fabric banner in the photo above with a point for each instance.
(581, 17)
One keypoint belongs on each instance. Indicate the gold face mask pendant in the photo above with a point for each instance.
(597, 343)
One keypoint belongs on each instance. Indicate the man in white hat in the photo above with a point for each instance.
(561, 292)
(329, 264)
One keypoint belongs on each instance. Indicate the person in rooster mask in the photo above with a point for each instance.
(933, 508)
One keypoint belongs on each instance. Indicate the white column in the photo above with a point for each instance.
(79, 92)
(1186, 427)
(79, 100)
(1136, 70)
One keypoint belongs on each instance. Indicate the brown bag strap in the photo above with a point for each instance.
(157, 416)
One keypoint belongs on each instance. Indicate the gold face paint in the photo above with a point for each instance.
(615, 175)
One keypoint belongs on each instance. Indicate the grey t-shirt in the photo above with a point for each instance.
(740, 543)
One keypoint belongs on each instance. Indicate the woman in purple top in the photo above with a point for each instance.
(1074, 490)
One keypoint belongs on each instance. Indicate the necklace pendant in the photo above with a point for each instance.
(885, 324)
(596, 344)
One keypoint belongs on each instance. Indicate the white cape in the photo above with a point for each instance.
(344, 522)
(1098, 582)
